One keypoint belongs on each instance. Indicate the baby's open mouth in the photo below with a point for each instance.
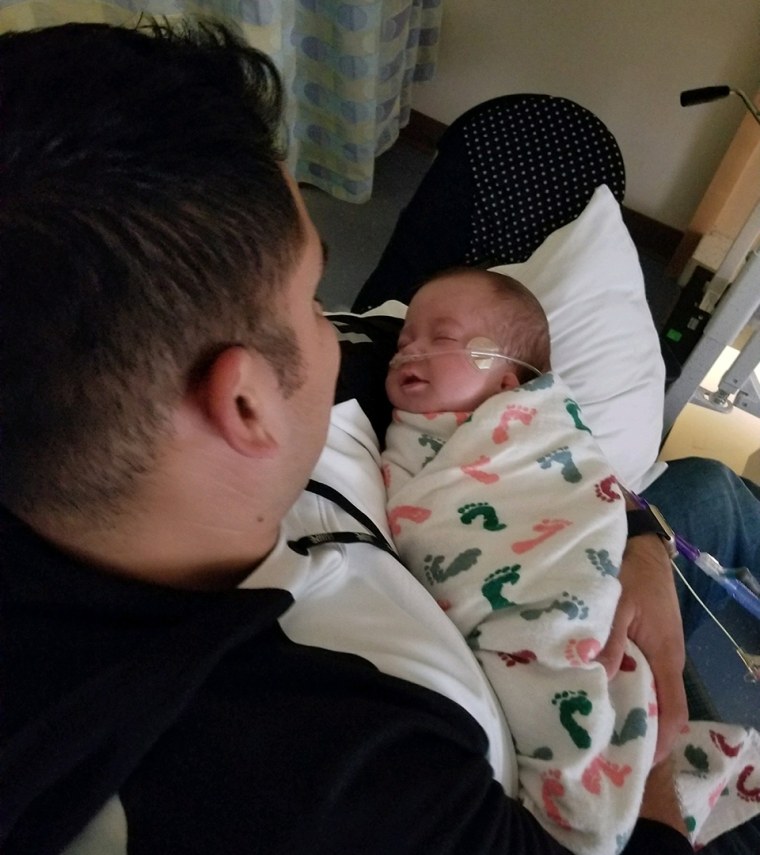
(411, 379)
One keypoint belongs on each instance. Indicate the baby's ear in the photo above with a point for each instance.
(509, 380)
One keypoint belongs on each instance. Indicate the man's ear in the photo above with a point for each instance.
(236, 395)
(509, 380)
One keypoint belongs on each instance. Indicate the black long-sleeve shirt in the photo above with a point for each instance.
(218, 733)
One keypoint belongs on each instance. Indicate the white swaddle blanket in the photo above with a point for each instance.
(511, 518)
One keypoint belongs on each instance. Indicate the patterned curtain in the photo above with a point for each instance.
(348, 66)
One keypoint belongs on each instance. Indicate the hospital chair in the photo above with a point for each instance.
(507, 173)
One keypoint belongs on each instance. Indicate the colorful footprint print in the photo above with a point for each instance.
(469, 513)
(545, 530)
(551, 790)
(493, 587)
(475, 470)
(428, 441)
(579, 652)
(721, 743)
(697, 758)
(600, 559)
(628, 664)
(545, 381)
(406, 512)
(518, 657)
(562, 457)
(436, 572)
(574, 410)
(513, 413)
(592, 775)
(746, 793)
(571, 704)
(605, 489)
(459, 417)
(543, 753)
(572, 606)
(634, 727)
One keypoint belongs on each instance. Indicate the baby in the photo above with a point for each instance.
(503, 506)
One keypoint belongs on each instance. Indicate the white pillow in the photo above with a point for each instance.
(604, 344)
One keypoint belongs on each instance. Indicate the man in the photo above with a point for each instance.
(197, 654)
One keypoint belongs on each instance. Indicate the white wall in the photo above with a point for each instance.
(627, 61)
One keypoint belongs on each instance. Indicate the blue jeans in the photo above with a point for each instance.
(718, 512)
(705, 502)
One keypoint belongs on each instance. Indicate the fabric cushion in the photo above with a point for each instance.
(604, 344)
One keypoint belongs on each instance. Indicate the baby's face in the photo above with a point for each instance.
(445, 315)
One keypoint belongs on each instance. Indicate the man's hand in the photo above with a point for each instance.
(660, 800)
(648, 614)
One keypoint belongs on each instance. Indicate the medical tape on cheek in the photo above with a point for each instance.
(480, 349)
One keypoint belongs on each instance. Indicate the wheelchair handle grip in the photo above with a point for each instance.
(704, 95)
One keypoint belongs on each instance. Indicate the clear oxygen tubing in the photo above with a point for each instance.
(482, 352)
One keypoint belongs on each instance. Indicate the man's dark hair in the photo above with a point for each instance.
(145, 225)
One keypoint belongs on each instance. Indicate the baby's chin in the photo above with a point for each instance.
(416, 407)
(411, 406)
(413, 397)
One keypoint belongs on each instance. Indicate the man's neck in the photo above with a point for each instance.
(179, 555)
(197, 539)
